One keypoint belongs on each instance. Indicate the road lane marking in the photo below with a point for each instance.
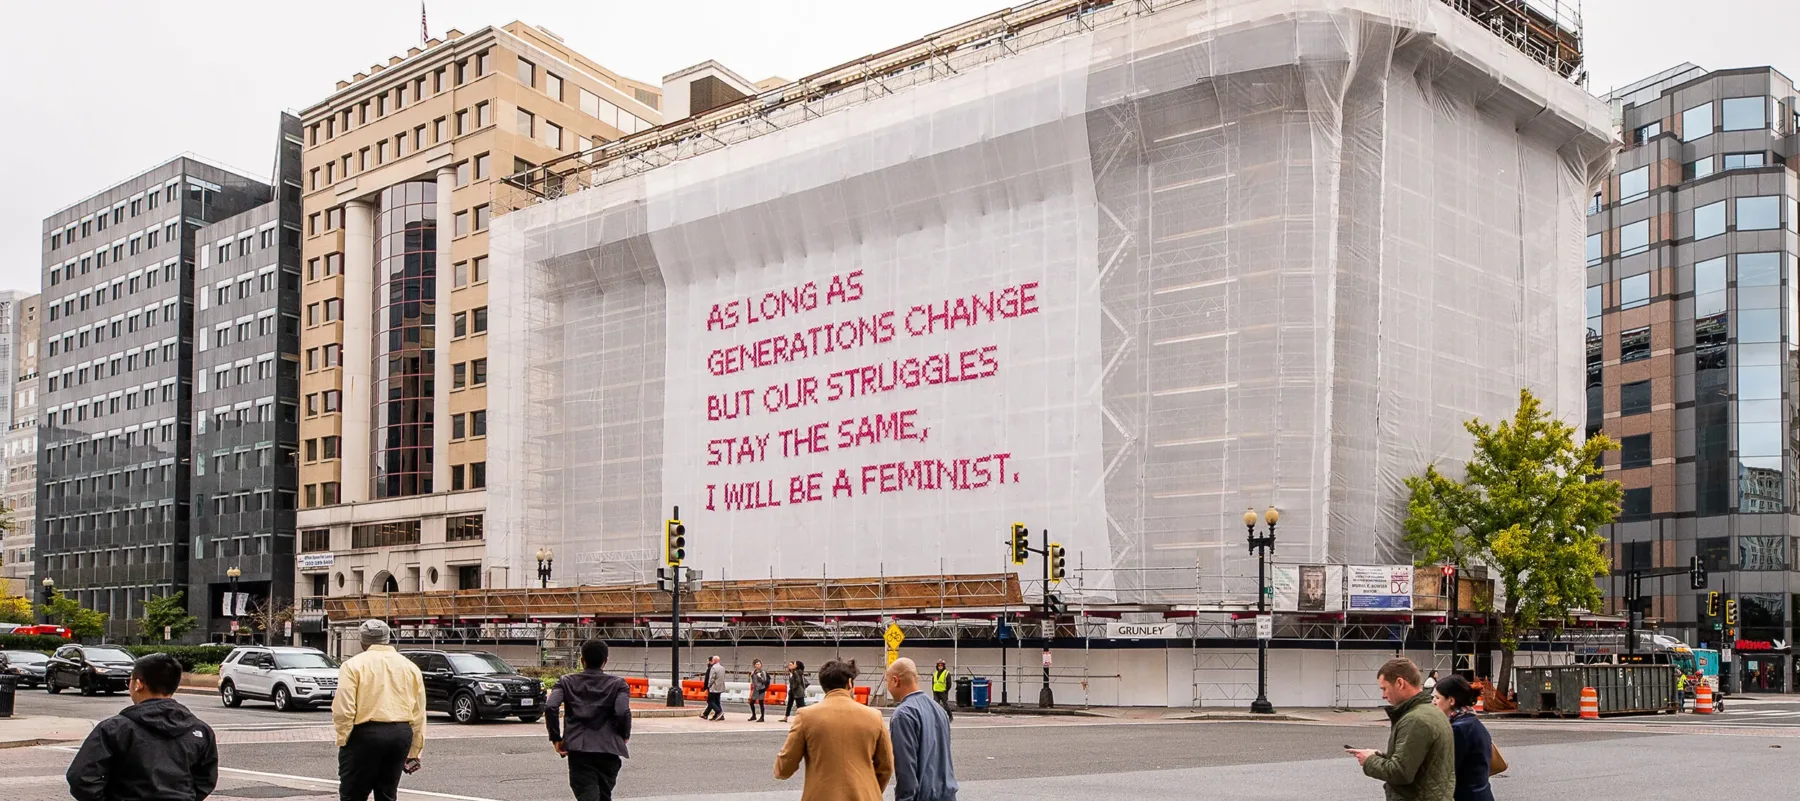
(312, 780)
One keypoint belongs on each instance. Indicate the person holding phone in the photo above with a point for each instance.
(379, 715)
(1419, 763)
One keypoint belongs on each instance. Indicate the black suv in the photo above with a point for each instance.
(89, 668)
(473, 685)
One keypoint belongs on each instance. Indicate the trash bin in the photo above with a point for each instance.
(964, 695)
(979, 692)
(8, 685)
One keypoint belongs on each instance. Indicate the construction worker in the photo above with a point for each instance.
(940, 688)
(1681, 690)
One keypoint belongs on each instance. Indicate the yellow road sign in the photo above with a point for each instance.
(892, 654)
(894, 637)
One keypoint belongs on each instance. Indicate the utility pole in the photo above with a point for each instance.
(1262, 546)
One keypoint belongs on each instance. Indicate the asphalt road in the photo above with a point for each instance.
(1000, 757)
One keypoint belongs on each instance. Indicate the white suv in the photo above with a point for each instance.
(291, 678)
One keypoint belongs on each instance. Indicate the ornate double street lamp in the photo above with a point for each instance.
(545, 560)
(1261, 546)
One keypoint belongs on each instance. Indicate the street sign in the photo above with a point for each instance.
(234, 627)
(1046, 659)
(287, 628)
(894, 636)
(1265, 627)
(892, 654)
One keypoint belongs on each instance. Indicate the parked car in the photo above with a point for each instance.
(88, 668)
(475, 685)
(290, 678)
(44, 630)
(27, 665)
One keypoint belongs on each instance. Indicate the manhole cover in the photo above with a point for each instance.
(264, 791)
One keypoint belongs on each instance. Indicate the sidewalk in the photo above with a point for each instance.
(20, 731)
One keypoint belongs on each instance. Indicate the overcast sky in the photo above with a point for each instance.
(104, 89)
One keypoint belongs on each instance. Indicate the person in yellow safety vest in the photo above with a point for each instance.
(940, 688)
(1681, 690)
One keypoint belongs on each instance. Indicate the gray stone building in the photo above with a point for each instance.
(1692, 337)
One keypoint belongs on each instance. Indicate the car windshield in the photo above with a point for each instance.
(107, 655)
(25, 657)
(302, 660)
(478, 664)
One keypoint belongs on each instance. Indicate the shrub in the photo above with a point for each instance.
(206, 669)
(188, 655)
(32, 642)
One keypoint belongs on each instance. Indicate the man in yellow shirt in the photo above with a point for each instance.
(379, 714)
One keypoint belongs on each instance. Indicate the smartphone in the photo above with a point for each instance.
(412, 766)
(1348, 747)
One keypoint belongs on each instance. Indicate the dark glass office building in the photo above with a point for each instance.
(116, 350)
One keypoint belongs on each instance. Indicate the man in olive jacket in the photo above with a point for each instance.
(1420, 761)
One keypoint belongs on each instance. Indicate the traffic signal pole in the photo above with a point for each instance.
(1636, 603)
(674, 619)
(1047, 699)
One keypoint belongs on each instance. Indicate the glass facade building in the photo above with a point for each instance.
(1692, 340)
(404, 333)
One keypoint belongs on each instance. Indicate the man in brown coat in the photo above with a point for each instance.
(844, 744)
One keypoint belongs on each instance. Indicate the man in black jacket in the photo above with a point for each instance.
(599, 724)
(154, 750)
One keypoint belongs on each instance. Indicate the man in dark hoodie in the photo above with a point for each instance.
(154, 750)
(599, 724)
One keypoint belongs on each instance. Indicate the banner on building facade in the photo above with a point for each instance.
(1380, 587)
(1307, 588)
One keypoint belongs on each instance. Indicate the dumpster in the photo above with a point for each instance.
(1623, 689)
(979, 692)
(9, 684)
(964, 692)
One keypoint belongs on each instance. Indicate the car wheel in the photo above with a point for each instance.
(462, 708)
(284, 701)
(87, 688)
(51, 687)
(228, 695)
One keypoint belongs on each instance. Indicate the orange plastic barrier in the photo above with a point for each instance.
(693, 689)
(777, 694)
(862, 695)
(640, 688)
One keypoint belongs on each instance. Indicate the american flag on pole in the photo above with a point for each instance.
(424, 29)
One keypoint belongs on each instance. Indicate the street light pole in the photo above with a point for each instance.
(1262, 547)
(545, 559)
(233, 574)
(49, 595)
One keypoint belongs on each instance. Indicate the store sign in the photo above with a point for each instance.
(1142, 631)
(1382, 587)
(1761, 645)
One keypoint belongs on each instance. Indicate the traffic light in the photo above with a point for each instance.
(1021, 543)
(1059, 562)
(665, 581)
(674, 542)
(1731, 612)
(1712, 604)
(1696, 573)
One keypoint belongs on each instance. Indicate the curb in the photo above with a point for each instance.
(1248, 717)
(4, 744)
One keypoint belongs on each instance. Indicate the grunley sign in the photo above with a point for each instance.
(1142, 631)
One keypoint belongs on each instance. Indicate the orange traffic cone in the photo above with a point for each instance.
(1479, 706)
(1590, 704)
(1703, 700)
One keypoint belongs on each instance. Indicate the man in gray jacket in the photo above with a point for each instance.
(714, 681)
(920, 730)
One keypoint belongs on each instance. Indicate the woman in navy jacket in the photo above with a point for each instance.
(1474, 748)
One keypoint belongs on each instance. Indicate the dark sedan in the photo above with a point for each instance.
(27, 665)
(88, 668)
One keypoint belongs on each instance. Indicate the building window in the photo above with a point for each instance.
(553, 86)
(1594, 203)
(462, 529)
(1635, 504)
(527, 73)
(524, 120)
(458, 426)
(483, 115)
(462, 223)
(1634, 451)
(1634, 398)
(1634, 238)
(1696, 122)
(481, 217)
(460, 324)
(478, 271)
(1755, 269)
(315, 540)
(458, 477)
(481, 166)
(1634, 344)
(459, 375)
(1634, 185)
(1634, 291)
(1742, 161)
(478, 319)
(553, 135)
(477, 475)
(1762, 553)
(1744, 113)
(1709, 220)
(1594, 248)
(478, 423)
(478, 372)
(383, 535)
(1758, 213)
(463, 170)
(468, 577)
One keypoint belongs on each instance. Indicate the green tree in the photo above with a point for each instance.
(1529, 507)
(81, 622)
(170, 611)
(15, 609)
